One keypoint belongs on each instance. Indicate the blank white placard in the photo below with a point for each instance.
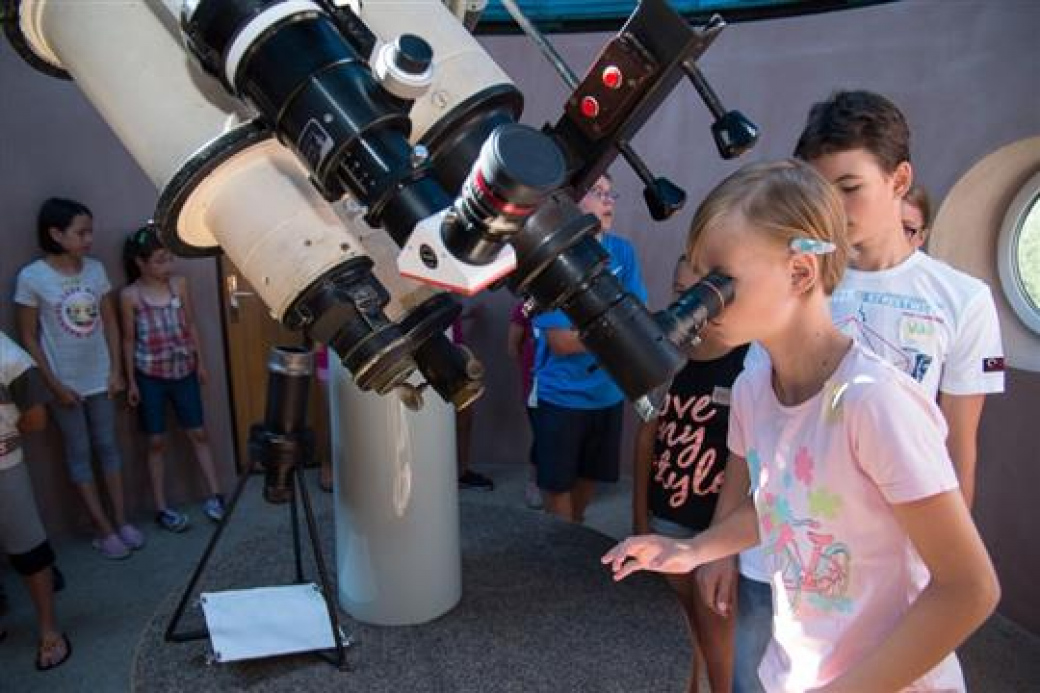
(267, 621)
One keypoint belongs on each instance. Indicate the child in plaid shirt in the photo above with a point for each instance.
(161, 353)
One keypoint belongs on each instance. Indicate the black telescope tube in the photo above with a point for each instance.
(683, 320)
(516, 169)
(321, 99)
(561, 265)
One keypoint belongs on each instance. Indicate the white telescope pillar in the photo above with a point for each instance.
(397, 518)
(397, 513)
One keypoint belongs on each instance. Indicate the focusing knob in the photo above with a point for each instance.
(405, 67)
(412, 54)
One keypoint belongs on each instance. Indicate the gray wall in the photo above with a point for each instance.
(53, 143)
(964, 73)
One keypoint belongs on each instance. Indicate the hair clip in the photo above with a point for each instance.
(811, 245)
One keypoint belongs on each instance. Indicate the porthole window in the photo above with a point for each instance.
(1018, 254)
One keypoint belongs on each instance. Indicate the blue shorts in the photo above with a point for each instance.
(573, 443)
(674, 530)
(184, 394)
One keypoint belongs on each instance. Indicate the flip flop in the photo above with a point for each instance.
(40, 666)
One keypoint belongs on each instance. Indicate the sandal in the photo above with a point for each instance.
(48, 647)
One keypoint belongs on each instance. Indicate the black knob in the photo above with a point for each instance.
(412, 54)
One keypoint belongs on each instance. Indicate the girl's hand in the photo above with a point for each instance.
(202, 374)
(133, 395)
(649, 552)
(67, 397)
(717, 582)
(115, 384)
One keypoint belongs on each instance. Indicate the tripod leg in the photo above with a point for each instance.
(295, 514)
(171, 635)
(323, 573)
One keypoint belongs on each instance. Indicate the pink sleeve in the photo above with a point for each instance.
(898, 439)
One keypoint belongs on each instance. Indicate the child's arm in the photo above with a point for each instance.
(30, 393)
(717, 581)
(193, 332)
(644, 451)
(962, 414)
(111, 326)
(28, 326)
(735, 533)
(963, 591)
(126, 312)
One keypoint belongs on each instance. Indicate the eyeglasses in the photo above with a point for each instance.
(604, 195)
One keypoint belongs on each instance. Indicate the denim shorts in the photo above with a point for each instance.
(183, 393)
(667, 528)
(754, 631)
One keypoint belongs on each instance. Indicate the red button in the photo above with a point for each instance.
(612, 77)
(589, 107)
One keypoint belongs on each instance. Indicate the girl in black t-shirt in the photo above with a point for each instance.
(679, 462)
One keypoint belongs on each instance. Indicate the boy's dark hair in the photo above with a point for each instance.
(56, 213)
(140, 245)
(856, 120)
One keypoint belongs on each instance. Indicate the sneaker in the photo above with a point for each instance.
(111, 547)
(171, 520)
(131, 537)
(532, 496)
(470, 479)
(214, 507)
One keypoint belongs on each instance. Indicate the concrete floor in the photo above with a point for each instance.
(107, 604)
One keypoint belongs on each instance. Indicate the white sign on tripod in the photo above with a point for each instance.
(267, 621)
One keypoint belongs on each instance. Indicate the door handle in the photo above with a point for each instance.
(233, 294)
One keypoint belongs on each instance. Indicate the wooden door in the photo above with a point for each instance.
(250, 333)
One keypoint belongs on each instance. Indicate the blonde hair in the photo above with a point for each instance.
(787, 199)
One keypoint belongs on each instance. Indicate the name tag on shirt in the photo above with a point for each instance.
(720, 396)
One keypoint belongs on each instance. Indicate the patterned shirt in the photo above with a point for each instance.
(162, 345)
(824, 474)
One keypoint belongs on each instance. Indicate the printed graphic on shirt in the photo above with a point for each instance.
(815, 564)
(78, 310)
(685, 465)
(913, 348)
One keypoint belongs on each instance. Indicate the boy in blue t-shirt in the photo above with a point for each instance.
(576, 418)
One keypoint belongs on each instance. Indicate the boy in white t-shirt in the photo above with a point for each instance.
(929, 320)
(876, 568)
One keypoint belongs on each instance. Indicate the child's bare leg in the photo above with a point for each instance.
(156, 453)
(41, 590)
(685, 589)
(559, 504)
(89, 493)
(114, 482)
(581, 496)
(715, 637)
(204, 454)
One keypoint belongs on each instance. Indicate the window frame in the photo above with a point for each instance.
(1027, 200)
